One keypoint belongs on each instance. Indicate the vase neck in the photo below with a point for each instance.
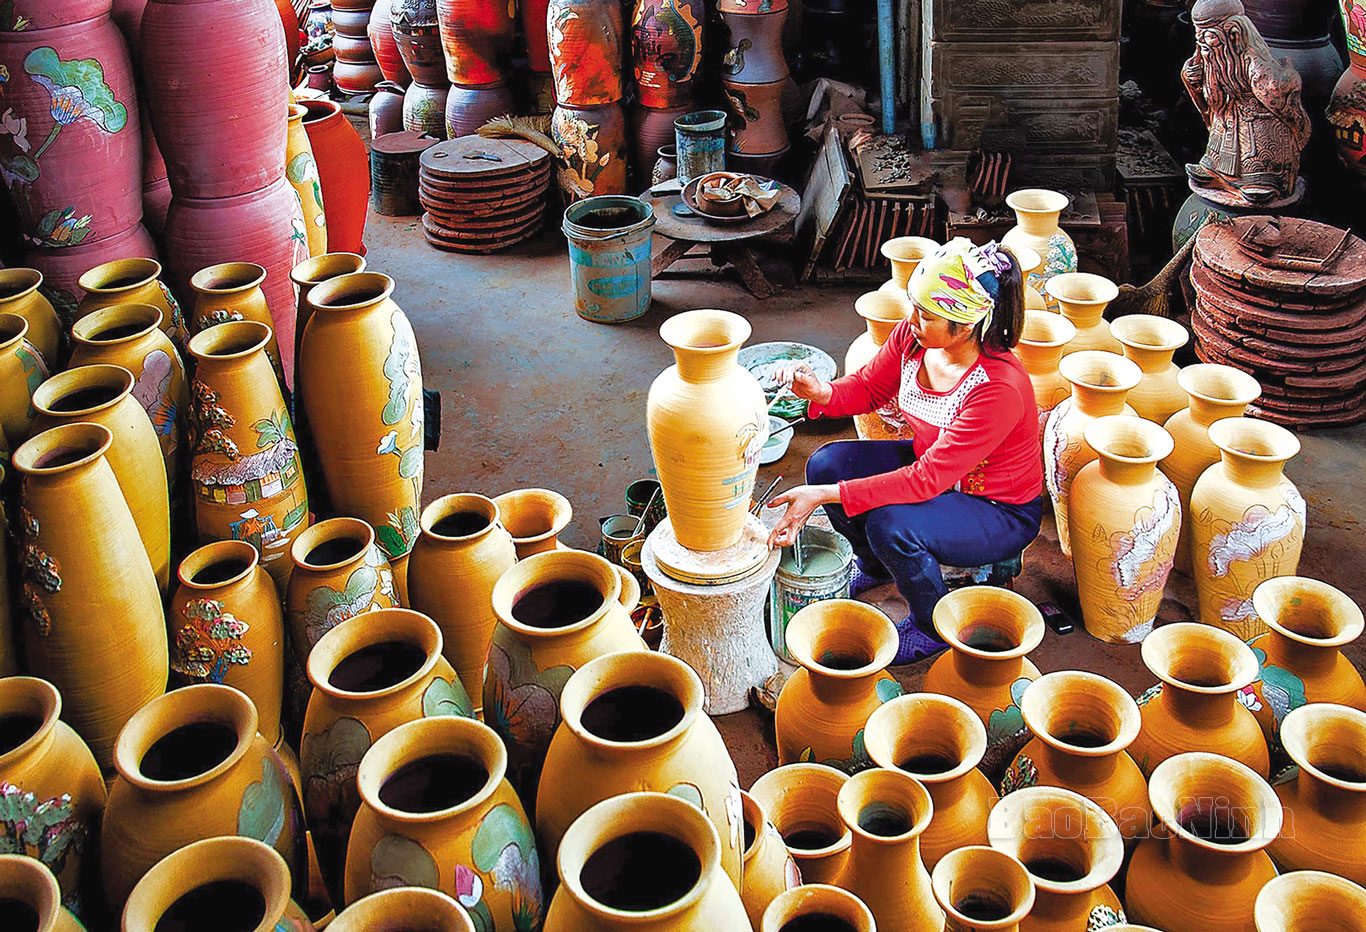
(1151, 361)
(1205, 412)
(1298, 656)
(704, 365)
(1334, 802)
(1122, 473)
(1253, 473)
(1061, 910)
(981, 672)
(880, 330)
(841, 690)
(899, 859)
(1201, 710)
(1083, 316)
(1039, 360)
(1041, 224)
(1097, 403)
(1078, 769)
(1207, 865)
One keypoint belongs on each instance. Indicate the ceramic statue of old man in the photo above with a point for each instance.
(1251, 103)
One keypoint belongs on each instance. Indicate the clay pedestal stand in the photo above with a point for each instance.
(715, 621)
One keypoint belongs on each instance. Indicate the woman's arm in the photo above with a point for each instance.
(871, 387)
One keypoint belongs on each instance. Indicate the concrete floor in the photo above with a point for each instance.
(531, 395)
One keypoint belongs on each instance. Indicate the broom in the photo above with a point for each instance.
(1154, 297)
(534, 129)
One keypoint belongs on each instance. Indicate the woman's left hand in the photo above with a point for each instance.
(801, 502)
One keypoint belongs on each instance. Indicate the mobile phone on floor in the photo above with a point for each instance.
(1056, 618)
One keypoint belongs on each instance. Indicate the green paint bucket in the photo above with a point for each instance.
(825, 571)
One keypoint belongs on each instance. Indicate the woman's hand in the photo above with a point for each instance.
(800, 502)
(804, 383)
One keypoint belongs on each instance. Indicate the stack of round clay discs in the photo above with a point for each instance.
(1285, 300)
(483, 195)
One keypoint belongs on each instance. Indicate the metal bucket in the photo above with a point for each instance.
(701, 139)
(827, 564)
(617, 532)
(609, 256)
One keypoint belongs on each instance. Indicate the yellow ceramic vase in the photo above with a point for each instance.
(461, 552)
(84, 565)
(1305, 899)
(814, 903)
(1149, 342)
(803, 802)
(1099, 383)
(28, 887)
(707, 421)
(19, 295)
(191, 765)
(1082, 298)
(1031, 268)
(1248, 521)
(9, 642)
(905, 253)
(1070, 848)
(1215, 392)
(306, 276)
(1036, 227)
(228, 292)
(1082, 724)
(1204, 872)
(132, 281)
(22, 371)
(769, 870)
(245, 469)
(534, 518)
(130, 335)
(52, 782)
(643, 862)
(339, 573)
(404, 909)
(1199, 705)
(983, 890)
(886, 812)
(843, 647)
(302, 171)
(437, 811)
(362, 391)
(939, 741)
(1123, 519)
(1040, 350)
(881, 311)
(226, 626)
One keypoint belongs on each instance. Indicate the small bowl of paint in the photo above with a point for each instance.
(779, 438)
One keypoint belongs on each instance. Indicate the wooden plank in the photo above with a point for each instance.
(829, 186)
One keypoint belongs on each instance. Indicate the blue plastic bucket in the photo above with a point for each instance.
(701, 139)
(609, 257)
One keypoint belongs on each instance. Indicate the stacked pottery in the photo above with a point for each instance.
(73, 514)
(589, 123)
(414, 25)
(343, 173)
(232, 291)
(477, 39)
(1216, 392)
(1248, 521)
(882, 311)
(355, 69)
(301, 168)
(1308, 623)
(1205, 871)
(29, 893)
(803, 802)
(1150, 341)
(386, 111)
(666, 52)
(980, 888)
(1199, 705)
(1040, 350)
(843, 647)
(22, 372)
(755, 77)
(132, 281)
(1099, 383)
(1123, 519)
(1300, 899)
(1036, 228)
(769, 871)
(817, 905)
(904, 253)
(1347, 107)
(21, 295)
(1082, 299)
(232, 202)
(385, 46)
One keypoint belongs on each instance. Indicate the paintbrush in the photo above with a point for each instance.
(764, 498)
(640, 522)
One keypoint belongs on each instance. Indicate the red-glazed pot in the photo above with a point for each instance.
(265, 227)
(350, 23)
(477, 36)
(74, 170)
(386, 110)
(382, 41)
(533, 27)
(756, 117)
(356, 77)
(424, 108)
(220, 70)
(585, 51)
(594, 140)
(156, 188)
(343, 172)
(289, 22)
(651, 129)
(468, 108)
(127, 15)
(62, 268)
(666, 49)
(48, 14)
(419, 41)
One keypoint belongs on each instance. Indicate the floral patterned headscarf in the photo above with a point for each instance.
(959, 281)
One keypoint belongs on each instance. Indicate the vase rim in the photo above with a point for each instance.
(806, 778)
(91, 441)
(1195, 772)
(456, 503)
(64, 384)
(749, 806)
(227, 857)
(32, 883)
(973, 599)
(561, 512)
(90, 329)
(1012, 819)
(1199, 381)
(908, 248)
(1026, 258)
(41, 697)
(1131, 327)
(1100, 371)
(1277, 444)
(1059, 331)
(1324, 893)
(823, 898)
(318, 110)
(682, 331)
(1216, 643)
(327, 530)
(15, 326)
(230, 340)
(940, 709)
(883, 306)
(199, 702)
(297, 110)
(352, 291)
(219, 551)
(321, 268)
(1083, 289)
(887, 786)
(544, 567)
(949, 873)
(429, 737)
(1346, 726)
(228, 278)
(20, 281)
(1042, 694)
(603, 674)
(416, 905)
(1037, 201)
(838, 618)
(1128, 439)
(1274, 593)
(378, 626)
(99, 279)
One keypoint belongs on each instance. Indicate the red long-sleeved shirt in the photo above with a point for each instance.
(980, 437)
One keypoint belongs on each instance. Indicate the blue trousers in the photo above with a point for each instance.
(909, 542)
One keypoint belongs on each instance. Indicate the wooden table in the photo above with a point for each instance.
(724, 243)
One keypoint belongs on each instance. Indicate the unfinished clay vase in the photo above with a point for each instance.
(213, 882)
(803, 802)
(191, 765)
(1082, 723)
(1200, 704)
(1150, 341)
(556, 611)
(22, 371)
(53, 791)
(886, 812)
(1099, 383)
(132, 281)
(1082, 298)
(1308, 623)
(437, 811)
(404, 908)
(245, 468)
(461, 552)
(939, 741)
(707, 420)
(1036, 227)
(1299, 900)
(983, 889)
(534, 518)
(644, 853)
(19, 295)
(1215, 392)
(30, 894)
(635, 722)
(817, 905)
(1248, 521)
(904, 253)
(1040, 350)
(990, 632)
(232, 291)
(881, 311)
(226, 626)
(769, 870)
(1071, 850)
(339, 573)
(302, 171)
(84, 564)
(843, 647)
(1325, 802)
(1205, 870)
(362, 385)
(369, 674)
(1123, 519)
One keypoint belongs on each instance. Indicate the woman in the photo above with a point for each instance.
(967, 488)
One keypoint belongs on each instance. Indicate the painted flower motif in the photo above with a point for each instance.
(1022, 773)
(15, 127)
(1149, 694)
(210, 642)
(389, 444)
(469, 887)
(1102, 917)
(78, 92)
(46, 829)
(61, 227)
(1248, 699)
